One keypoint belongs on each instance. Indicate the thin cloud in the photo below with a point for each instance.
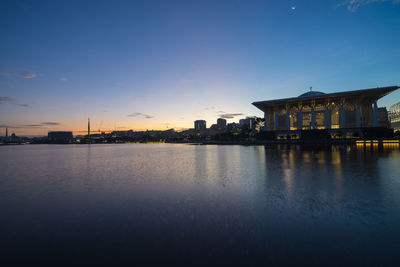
(64, 79)
(27, 75)
(21, 126)
(32, 125)
(14, 127)
(5, 99)
(353, 5)
(50, 123)
(138, 114)
(231, 115)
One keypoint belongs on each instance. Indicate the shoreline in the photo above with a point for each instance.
(247, 142)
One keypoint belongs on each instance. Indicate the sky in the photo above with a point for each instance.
(163, 64)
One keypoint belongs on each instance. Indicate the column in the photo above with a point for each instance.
(358, 115)
(276, 120)
(300, 119)
(327, 118)
(287, 119)
(266, 121)
(342, 116)
(375, 114)
(371, 116)
(313, 119)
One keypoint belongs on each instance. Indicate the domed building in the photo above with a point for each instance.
(341, 114)
(311, 94)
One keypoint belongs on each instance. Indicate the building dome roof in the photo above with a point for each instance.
(311, 94)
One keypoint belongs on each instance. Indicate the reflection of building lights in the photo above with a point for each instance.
(377, 141)
(391, 141)
(385, 144)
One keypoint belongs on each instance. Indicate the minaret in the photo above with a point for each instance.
(88, 129)
(6, 132)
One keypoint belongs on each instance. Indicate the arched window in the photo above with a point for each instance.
(350, 115)
(320, 116)
(306, 117)
(282, 118)
(335, 116)
(293, 118)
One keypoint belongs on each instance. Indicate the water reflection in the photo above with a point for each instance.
(271, 204)
(342, 178)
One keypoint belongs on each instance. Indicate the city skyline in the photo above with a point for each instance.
(164, 64)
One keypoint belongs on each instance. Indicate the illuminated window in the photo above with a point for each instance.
(335, 117)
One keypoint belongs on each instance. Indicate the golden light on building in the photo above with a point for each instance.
(342, 114)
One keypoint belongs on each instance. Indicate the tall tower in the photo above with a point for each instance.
(6, 132)
(88, 129)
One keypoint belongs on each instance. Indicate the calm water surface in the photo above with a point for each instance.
(192, 204)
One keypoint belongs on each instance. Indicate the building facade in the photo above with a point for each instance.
(60, 136)
(221, 122)
(343, 112)
(394, 116)
(250, 122)
(200, 125)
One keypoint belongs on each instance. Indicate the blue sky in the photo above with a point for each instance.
(163, 64)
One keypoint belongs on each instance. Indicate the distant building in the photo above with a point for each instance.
(128, 133)
(233, 127)
(60, 137)
(214, 127)
(13, 137)
(249, 121)
(221, 123)
(200, 125)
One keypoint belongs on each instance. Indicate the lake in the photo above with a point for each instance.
(199, 204)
